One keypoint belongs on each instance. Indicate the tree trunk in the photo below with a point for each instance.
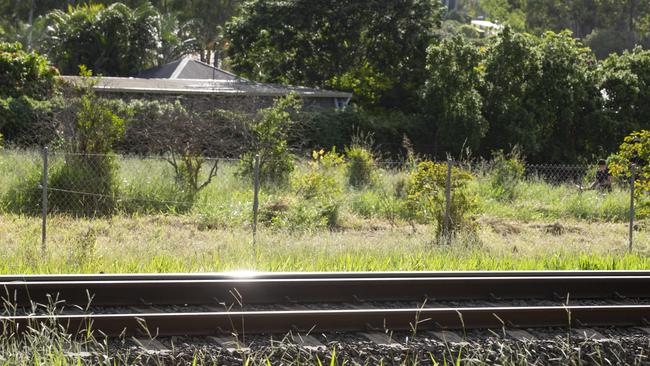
(631, 15)
(217, 58)
(31, 25)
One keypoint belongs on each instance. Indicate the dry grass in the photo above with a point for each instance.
(551, 237)
(179, 243)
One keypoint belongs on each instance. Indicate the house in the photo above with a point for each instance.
(200, 84)
(485, 27)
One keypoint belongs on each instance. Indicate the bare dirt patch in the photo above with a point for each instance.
(501, 227)
(558, 229)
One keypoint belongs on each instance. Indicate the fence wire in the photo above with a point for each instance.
(92, 185)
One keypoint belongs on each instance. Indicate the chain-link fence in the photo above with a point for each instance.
(44, 183)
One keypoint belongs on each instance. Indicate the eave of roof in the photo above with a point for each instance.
(203, 87)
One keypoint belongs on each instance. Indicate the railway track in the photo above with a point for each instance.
(167, 305)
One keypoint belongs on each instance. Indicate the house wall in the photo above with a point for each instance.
(199, 102)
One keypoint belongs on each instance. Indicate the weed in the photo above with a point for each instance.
(506, 174)
(361, 167)
(427, 201)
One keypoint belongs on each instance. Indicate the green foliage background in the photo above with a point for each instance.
(416, 68)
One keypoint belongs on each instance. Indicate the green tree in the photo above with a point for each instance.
(426, 199)
(606, 25)
(176, 38)
(113, 41)
(91, 129)
(268, 140)
(567, 99)
(375, 48)
(543, 94)
(450, 98)
(579, 16)
(635, 149)
(25, 73)
(27, 84)
(510, 12)
(205, 19)
(513, 70)
(625, 84)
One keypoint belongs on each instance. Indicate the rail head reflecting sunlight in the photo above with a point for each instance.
(243, 273)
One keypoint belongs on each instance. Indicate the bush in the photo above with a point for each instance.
(426, 196)
(507, 171)
(320, 188)
(86, 183)
(25, 121)
(367, 204)
(28, 83)
(274, 171)
(316, 184)
(320, 181)
(269, 142)
(23, 195)
(328, 128)
(361, 168)
(304, 215)
(93, 177)
(25, 73)
(635, 149)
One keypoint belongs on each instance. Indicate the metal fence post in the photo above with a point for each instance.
(256, 191)
(632, 178)
(44, 200)
(446, 226)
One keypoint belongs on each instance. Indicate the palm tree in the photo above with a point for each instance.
(114, 40)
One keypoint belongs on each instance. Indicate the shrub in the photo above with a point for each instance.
(367, 204)
(331, 212)
(328, 128)
(275, 170)
(28, 83)
(184, 136)
(320, 181)
(303, 215)
(26, 121)
(320, 188)
(426, 196)
(269, 142)
(149, 186)
(507, 171)
(635, 149)
(25, 73)
(361, 167)
(23, 194)
(115, 40)
(86, 183)
(316, 184)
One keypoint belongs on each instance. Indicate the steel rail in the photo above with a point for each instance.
(320, 290)
(262, 322)
(309, 275)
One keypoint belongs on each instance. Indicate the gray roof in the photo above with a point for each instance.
(204, 86)
(186, 68)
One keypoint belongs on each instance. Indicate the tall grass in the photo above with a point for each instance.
(539, 200)
(148, 186)
(49, 344)
(177, 244)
